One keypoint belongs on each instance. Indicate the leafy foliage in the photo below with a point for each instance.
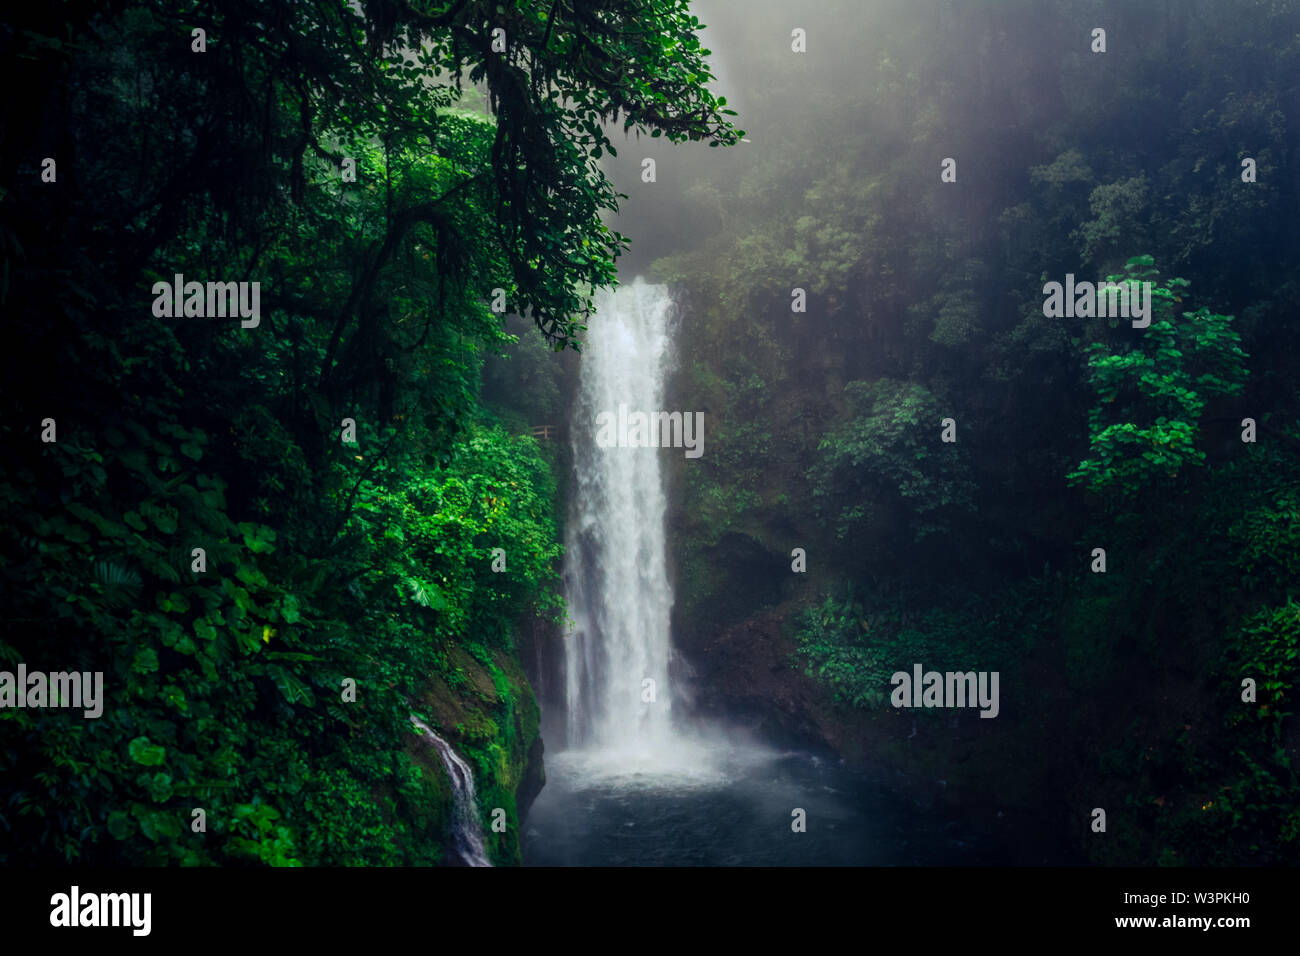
(1074, 433)
(855, 646)
(1152, 394)
(322, 561)
(890, 462)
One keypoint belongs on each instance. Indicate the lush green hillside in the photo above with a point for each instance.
(924, 302)
(280, 532)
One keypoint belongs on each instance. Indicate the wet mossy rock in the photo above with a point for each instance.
(485, 708)
(437, 799)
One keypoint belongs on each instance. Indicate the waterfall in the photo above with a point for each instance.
(467, 832)
(616, 577)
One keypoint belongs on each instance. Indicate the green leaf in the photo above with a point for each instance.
(144, 752)
(289, 609)
(146, 660)
(257, 538)
(120, 826)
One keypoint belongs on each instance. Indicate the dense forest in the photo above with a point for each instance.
(230, 520)
(285, 521)
(925, 301)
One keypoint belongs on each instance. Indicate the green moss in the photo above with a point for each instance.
(491, 716)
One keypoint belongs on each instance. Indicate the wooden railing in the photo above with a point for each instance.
(545, 432)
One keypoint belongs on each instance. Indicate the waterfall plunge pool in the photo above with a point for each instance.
(721, 804)
(636, 790)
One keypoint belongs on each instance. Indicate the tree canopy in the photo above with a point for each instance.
(233, 521)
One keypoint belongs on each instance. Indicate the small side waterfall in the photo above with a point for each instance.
(616, 576)
(467, 831)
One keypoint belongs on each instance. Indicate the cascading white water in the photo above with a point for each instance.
(616, 578)
(467, 832)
